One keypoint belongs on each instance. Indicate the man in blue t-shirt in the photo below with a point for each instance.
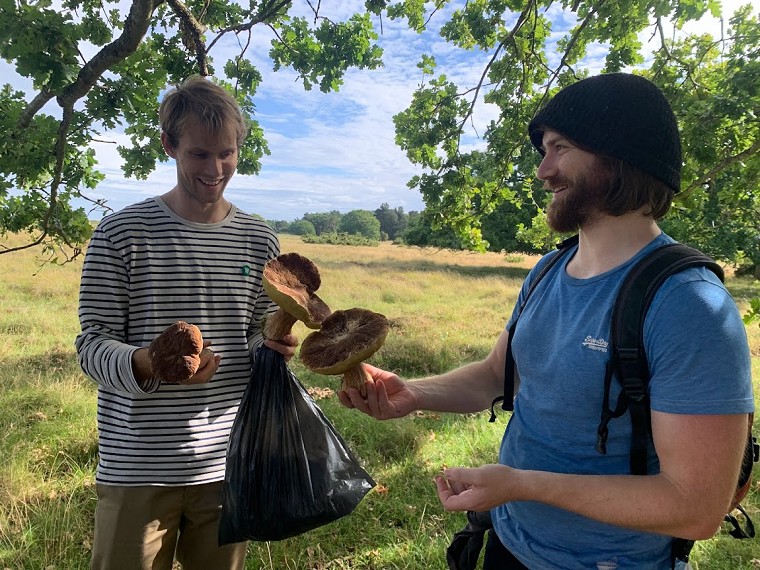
(612, 161)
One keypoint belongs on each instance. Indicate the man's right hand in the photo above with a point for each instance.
(207, 368)
(209, 364)
(388, 396)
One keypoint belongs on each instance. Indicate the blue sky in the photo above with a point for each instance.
(331, 151)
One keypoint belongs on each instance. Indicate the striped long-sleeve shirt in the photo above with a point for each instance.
(146, 268)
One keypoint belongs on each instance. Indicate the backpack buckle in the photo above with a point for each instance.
(634, 388)
(628, 354)
(631, 373)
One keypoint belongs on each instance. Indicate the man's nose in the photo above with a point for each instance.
(547, 168)
(215, 166)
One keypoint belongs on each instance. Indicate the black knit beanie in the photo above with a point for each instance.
(619, 115)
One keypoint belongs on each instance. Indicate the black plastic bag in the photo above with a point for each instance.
(288, 469)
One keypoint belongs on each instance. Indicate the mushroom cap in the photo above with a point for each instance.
(290, 280)
(175, 353)
(346, 338)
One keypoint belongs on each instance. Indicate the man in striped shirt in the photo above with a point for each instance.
(188, 255)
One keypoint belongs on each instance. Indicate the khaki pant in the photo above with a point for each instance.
(141, 528)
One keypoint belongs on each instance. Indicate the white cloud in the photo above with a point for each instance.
(331, 151)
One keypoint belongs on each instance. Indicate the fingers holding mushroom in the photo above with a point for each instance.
(346, 339)
(175, 354)
(207, 369)
(291, 280)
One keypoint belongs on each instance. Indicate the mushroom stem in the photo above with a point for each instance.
(357, 377)
(278, 324)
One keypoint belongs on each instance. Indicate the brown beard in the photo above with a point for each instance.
(583, 199)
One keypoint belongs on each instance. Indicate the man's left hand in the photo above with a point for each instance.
(286, 345)
(477, 489)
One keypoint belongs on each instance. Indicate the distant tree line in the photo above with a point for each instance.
(502, 229)
(385, 223)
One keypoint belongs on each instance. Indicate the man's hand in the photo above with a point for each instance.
(207, 368)
(388, 396)
(478, 489)
(286, 345)
(209, 364)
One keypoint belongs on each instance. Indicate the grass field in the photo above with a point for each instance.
(445, 309)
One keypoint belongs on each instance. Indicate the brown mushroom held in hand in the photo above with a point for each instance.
(290, 280)
(175, 353)
(345, 340)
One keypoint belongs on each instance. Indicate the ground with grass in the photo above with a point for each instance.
(445, 309)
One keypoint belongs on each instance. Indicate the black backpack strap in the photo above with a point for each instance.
(465, 547)
(629, 362)
(751, 456)
(737, 531)
(628, 359)
(680, 549)
(608, 414)
(507, 399)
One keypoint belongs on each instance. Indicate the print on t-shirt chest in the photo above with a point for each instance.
(559, 345)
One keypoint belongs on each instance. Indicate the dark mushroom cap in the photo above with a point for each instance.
(175, 353)
(346, 339)
(290, 280)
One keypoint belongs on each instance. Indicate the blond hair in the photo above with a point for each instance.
(198, 97)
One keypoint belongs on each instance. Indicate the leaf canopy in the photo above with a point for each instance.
(94, 67)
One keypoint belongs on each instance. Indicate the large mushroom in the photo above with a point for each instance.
(175, 353)
(290, 280)
(346, 339)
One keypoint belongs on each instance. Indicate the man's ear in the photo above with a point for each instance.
(168, 148)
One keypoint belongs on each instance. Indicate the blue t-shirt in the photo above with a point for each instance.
(699, 360)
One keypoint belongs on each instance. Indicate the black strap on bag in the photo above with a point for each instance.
(507, 399)
(737, 531)
(465, 547)
(628, 358)
(628, 363)
(751, 456)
